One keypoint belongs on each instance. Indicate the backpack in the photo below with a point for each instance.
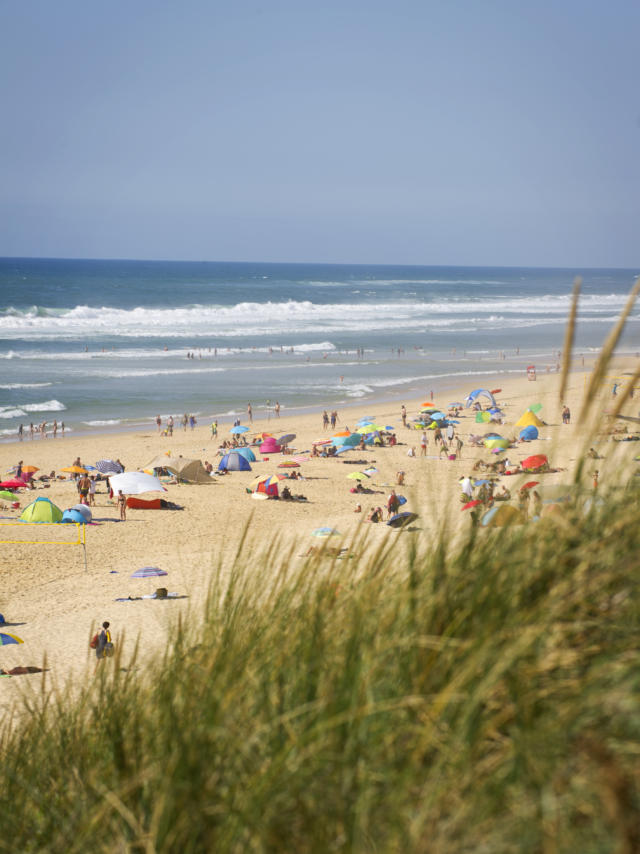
(94, 641)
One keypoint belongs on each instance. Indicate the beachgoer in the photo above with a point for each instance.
(185, 421)
(423, 444)
(84, 484)
(450, 433)
(400, 478)
(250, 413)
(459, 444)
(325, 420)
(21, 432)
(104, 649)
(159, 423)
(31, 430)
(276, 409)
(192, 421)
(55, 428)
(467, 486)
(392, 504)
(412, 451)
(92, 491)
(62, 428)
(122, 504)
(536, 504)
(19, 470)
(358, 508)
(595, 479)
(403, 415)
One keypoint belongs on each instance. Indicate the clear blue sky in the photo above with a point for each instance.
(390, 131)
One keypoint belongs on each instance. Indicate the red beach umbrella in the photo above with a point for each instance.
(537, 461)
(530, 484)
(14, 483)
(473, 503)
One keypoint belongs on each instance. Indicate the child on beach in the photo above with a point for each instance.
(122, 504)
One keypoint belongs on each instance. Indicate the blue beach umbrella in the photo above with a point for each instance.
(6, 639)
(239, 429)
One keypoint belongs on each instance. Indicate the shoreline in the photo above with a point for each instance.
(475, 377)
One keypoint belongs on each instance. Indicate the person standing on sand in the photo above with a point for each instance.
(403, 415)
(31, 430)
(459, 444)
(423, 444)
(84, 485)
(325, 420)
(104, 649)
(21, 432)
(159, 423)
(250, 413)
(276, 409)
(122, 504)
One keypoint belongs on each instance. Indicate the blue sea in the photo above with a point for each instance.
(107, 345)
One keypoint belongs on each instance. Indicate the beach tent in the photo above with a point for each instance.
(41, 510)
(483, 417)
(529, 419)
(480, 392)
(529, 433)
(247, 453)
(270, 446)
(190, 471)
(73, 515)
(496, 443)
(233, 461)
(266, 484)
(159, 462)
(503, 514)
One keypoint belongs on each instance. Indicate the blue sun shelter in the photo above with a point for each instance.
(233, 461)
(529, 433)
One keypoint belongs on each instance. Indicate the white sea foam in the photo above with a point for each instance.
(11, 412)
(46, 406)
(277, 319)
(106, 423)
(24, 385)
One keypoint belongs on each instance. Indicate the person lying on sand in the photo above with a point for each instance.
(20, 670)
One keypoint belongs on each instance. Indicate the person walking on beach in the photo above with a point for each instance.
(403, 415)
(159, 423)
(122, 504)
(104, 644)
(55, 428)
(325, 420)
(31, 430)
(423, 444)
(459, 444)
(21, 432)
(250, 413)
(170, 425)
(62, 428)
(92, 491)
(276, 409)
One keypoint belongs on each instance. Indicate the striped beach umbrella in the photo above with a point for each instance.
(108, 467)
(148, 572)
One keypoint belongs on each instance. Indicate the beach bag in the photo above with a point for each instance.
(161, 593)
(108, 650)
(93, 643)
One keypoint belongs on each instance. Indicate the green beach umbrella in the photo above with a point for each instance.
(8, 496)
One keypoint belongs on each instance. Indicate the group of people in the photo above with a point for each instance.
(41, 430)
(329, 420)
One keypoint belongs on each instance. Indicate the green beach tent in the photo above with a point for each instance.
(41, 510)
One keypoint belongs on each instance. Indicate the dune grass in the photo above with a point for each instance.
(485, 701)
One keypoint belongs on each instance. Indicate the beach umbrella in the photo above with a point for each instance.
(496, 443)
(322, 442)
(259, 437)
(75, 469)
(427, 404)
(239, 429)
(340, 434)
(371, 470)
(107, 467)
(402, 519)
(29, 469)
(496, 390)
(325, 532)
(530, 484)
(365, 418)
(148, 572)
(135, 483)
(6, 639)
(537, 461)
(473, 503)
(357, 475)
(13, 483)
(284, 440)
(6, 495)
(535, 408)
(457, 404)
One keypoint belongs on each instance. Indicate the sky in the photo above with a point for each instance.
(463, 132)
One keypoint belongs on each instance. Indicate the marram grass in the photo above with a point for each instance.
(488, 701)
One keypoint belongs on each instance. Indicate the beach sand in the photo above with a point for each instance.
(54, 604)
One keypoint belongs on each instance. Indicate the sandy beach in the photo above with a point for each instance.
(52, 603)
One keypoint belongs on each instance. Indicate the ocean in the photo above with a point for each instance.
(108, 345)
